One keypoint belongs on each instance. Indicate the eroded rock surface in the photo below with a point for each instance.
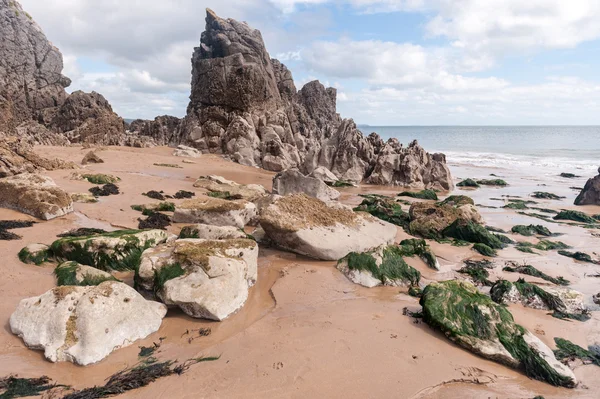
(215, 211)
(291, 181)
(590, 195)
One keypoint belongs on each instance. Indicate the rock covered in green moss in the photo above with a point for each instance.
(568, 351)
(532, 230)
(529, 270)
(72, 273)
(384, 208)
(430, 220)
(560, 299)
(117, 250)
(477, 271)
(546, 195)
(472, 232)
(580, 256)
(95, 178)
(35, 254)
(381, 266)
(205, 278)
(416, 247)
(473, 321)
(468, 183)
(542, 245)
(492, 182)
(576, 216)
(484, 250)
(83, 325)
(423, 194)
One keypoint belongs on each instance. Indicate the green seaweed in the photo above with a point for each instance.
(418, 247)
(166, 273)
(27, 257)
(100, 178)
(492, 182)
(457, 200)
(477, 271)
(532, 271)
(472, 232)
(531, 230)
(423, 194)
(484, 250)
(226, 195)
(542, 245)
(340, 183)
(384, 208)
(576, 216)
(569, 175)
(66, 275)
(580, 256)
(468, 183)
(168, 165)
(417, 292)
(528, 291)
(392, 267)
(566, 350)
(546, 195)
(15, 387)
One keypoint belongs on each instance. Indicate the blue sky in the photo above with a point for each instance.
(394, 62)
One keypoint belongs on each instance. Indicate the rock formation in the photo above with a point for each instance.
(163, 130)
(291, 181)
(17, 156)
(245, 105)
(590, 195)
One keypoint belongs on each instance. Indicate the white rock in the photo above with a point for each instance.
(546, 353)
(291, 181)
(83, 325)
(324, 174)
(215, 211)
(185, 151)
(209, 232)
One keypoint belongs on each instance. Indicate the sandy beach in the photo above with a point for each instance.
(306, 330)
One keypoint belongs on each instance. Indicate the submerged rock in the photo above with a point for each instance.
(117, 250)
(215, 211)
(310, 227)
(473, 321)
(205, 278)
(291, 181)
(34, 195)
(83, 325)
(590, 195)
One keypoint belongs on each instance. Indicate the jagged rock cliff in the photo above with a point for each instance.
(245, 104)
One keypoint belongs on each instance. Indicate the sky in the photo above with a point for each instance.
(394, 62)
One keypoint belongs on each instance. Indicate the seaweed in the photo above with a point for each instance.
(531, 230)
(82, 232)
(472, 232)
(15, 387)
(340, 183)
(168, 165)
(226, 195)
(423, 194)
(384, 208)
(569, 175)
(166, 273)
(6, 235)
(516, 204)
(484, 250)
(104, 191)
(392, 267)
(580, 256)
(468, 183)
(545, 210)
(100, 178)
(158, 195)
(568, 351)
(477, 271)
(495, 229)
(546, 195)
(457, 200)
(415, 291)
(66, 275)
(415, 246)
(576, 216)
(492, 182)
(529, 270)
(15, 224)
(542, 245)
(182, 194)
(37, 259)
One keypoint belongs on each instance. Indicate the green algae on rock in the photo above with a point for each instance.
(423, 194)
(473, 232)
(473, 321)
(485, 250)
(567, 350)
(72, 273)
(35, 254)
(414, 246)
(384, 208)
(532, 230)
(580, 256)
(477, 270)
(576, 216)
(468, 183)
(546, 195)
(529, 270)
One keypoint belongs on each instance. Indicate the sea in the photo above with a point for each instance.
(574, 149)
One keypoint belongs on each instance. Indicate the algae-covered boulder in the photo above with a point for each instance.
(220, 187)
(575, 216)
(205, 278)
(326, 231)
(429, 220)
(532, 230)
(423, 194)
(34, 195)
(83, 325)
(95, 178)
(117, 250)
(84, 198)
(473, 321)
(215, 211)
(209, 232)
(381, 266)
(72, 273)
(466, 230)
(35, 254)
(567, 302)
(384, 208)
(292, 181)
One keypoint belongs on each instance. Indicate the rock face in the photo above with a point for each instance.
(205, 278)
(291, 181)
(310, 227)
(17, 156)
(83, 325)
(590, 195)
(473, 321)
(163, 130)
(30, 68)
(215, 211)
(245, 104)
(34, 195)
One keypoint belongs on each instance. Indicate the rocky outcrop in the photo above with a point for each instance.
(30, 68)
(34, 195)
(245, 105)
(17, 156)
(163, 130)
(215, 211)
(327, 231)
(590, 195)
(83, 325)
(473, 321)
(205, 278)
(291, 181)
(220, 187)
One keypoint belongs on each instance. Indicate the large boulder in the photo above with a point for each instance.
(473, 321)
(205, 278)
(116, 250)
(83, 325)
(590, 195)
(430, 219)
(34, 195)
(215, 211)
(327, 231)
(292, 181)
(227, 189)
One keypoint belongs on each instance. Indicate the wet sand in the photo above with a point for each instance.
(305, 331)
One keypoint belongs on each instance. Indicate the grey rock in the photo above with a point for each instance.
(291, 181)
(590, 195)
(163, 130)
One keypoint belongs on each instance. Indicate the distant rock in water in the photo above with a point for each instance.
(590, 195)
(245, 105)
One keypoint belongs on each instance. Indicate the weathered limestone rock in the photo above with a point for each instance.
(91, 157)
(163, 130)
(205, 278)
(73, 273)
(17, 156)
(208, 232)
(590, 195)
(313, 228)
(34, 254)
(215, 211)
(291, 181)
(34, 195)
(227, 189)
(429, 219)
(185, 151)
(83, 325)
(472, 320)
(83, 198)
(324, 174)
(116, 250)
